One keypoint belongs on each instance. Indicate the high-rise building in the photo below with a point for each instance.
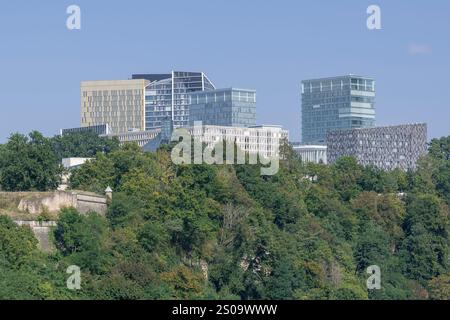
(224, 107)
(384, 147)
(142, 103)
(167, 95)
(120, 104)
(337, 103)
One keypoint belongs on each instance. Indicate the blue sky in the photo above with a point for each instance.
(265, 45)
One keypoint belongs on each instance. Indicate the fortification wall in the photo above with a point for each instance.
(41, 231)
(52, 202)
(25, 208)
(32, 204)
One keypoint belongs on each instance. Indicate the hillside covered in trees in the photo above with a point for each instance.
(226, 232)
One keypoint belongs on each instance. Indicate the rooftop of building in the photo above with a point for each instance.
(162, 76)
(300, 146)
(241, 128)
(224, 90)
(112, 83)
(380, 127)
(348, 76)
(152, 76)
(267, 126)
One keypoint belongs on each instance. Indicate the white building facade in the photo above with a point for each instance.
(264, 140)
(137, 136)
(311, 153)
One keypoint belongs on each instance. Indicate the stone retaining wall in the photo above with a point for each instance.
(41, 231)
(37, 203)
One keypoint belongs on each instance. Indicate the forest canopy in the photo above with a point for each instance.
(226, 232)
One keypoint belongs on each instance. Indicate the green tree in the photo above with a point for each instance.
(425, 248)
(17, 244)
(83, 144)
(442, 181)
(82, 238)
(440, 148)
(372, 247)
(28, 163)
(347, 172)
(439, 287)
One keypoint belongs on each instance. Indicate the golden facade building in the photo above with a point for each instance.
(118, 103)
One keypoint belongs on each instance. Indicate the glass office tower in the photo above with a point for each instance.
(331, 104)
(167, 95)
(224, 107)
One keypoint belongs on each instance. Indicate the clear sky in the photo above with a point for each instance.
(265, 45)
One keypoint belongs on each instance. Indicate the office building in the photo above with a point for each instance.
(167, 95)
(74, 163)
(141, 138)
(224, 107)
(163, 137)
(338, 103)
(119, 103)
(101, 129)
(384, 147)
(311, 153)
(263, 140)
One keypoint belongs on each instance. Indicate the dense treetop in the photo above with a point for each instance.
(210, 232)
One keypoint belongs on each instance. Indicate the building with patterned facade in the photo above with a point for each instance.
(386, 148)
(118, 103)
(337, 103)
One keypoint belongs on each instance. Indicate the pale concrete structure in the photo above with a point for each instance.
(31, 205)
(140, 137)
(264, 140)
(70, 163)
(311, 153)
(41, 230)
(118, 103)
(36, 203)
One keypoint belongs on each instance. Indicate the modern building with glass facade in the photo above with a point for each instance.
(167, 95)
(337, 103)
(98, 130)
(386, 148)
(119, 103)
(164, 137)
(224, 107)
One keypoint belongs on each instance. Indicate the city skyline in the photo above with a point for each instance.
(274, 47)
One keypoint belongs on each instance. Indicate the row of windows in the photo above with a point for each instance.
(236, 96)
(113, 93)
(338, 85)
